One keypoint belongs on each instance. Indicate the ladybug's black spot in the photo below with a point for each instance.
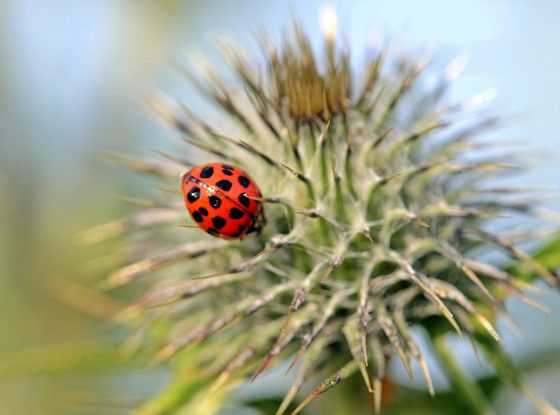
(227, 172)
(212, 231)
(225, 185)
(203, 211)
(215, 201)
(227, 167)
(243, 181)
(243, 199)
(235, 213)
(218, 222)
(197, 216)
(193, 195)
(207, 172)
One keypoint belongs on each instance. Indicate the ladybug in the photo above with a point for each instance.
(222, 200)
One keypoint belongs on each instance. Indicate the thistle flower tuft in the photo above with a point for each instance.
(374, 191)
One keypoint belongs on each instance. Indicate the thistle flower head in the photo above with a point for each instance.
(305, 89)
(373, 188)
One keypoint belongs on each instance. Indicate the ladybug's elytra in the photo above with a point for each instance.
(222, 200)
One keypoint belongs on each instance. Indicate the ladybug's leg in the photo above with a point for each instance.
(255, 227)
(258, 224)
(262, 221)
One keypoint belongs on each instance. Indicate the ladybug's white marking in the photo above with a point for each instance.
(209, 189)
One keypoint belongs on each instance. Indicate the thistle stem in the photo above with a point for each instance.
(467, 389)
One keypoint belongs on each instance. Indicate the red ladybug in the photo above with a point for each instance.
(221, 200)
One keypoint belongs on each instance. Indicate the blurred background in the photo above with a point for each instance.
(74, 76)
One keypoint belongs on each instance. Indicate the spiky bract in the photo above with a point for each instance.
(373, 191)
